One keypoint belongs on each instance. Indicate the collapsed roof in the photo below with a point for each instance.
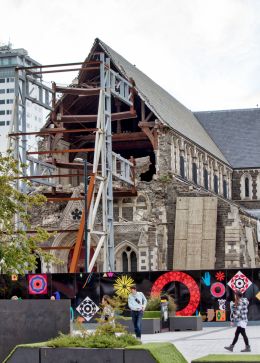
(165, 107)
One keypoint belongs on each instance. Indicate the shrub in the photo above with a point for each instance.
(154, 303)
(94, 340)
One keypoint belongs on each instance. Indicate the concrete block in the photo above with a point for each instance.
(31, 321)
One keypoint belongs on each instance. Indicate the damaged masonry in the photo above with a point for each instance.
(167, 188)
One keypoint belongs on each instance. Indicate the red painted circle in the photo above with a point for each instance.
(185, 279)
(215, 286)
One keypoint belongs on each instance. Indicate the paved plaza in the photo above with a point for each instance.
(210, 340)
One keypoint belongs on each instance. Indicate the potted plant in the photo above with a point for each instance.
(153, 307)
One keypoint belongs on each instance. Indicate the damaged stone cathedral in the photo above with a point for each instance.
(196, 194)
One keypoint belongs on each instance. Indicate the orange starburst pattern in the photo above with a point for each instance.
(220, 276)
(123, 285)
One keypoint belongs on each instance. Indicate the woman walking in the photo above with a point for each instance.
(239, 310)
(108, 311)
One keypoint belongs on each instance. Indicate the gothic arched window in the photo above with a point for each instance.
(194, 173)
(127, 260)
(246, 184)
(247, 193)
(133, 261)
(206, 178)
(225, 191)
(182, 167)
(216, 184)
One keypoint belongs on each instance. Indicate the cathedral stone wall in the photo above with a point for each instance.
(174, 222)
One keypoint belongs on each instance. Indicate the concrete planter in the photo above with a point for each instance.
(31, 321)
(149, 326)
(185, 323)
(25, 355)
(79, 355)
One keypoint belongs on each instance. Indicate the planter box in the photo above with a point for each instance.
(80, 355)
(185, 323)
(25, 355)
(149, 326)
(138, 355)
(31, 321)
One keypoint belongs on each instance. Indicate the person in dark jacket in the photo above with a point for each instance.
(239, 310)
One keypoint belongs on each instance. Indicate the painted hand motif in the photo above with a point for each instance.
(206, 278)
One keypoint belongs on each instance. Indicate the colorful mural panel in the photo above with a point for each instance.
(207, 293)
(37, 284)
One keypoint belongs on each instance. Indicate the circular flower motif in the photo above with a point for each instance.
(185, 279)
(217, 289)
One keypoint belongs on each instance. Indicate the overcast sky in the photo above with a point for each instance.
(205, 53)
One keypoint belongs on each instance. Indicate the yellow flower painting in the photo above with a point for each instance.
(123, 285)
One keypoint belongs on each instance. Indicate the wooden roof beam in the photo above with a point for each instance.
(78, 91)
(60, 151)
(93, 118)
(55, 131)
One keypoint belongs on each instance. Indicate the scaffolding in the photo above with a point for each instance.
(106, 165)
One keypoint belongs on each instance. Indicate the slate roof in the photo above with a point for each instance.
(237, 134)
(165, 107)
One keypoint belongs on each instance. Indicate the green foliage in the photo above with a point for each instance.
(94, 340)
(154, 303)
(18, 250)
(112, 325)
(152, 314)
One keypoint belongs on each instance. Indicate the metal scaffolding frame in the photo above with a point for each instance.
(106, 164)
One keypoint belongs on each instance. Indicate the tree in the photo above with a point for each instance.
(18, 249)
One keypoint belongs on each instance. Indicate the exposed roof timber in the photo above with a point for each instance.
(58, 65)
(78, 91)
(48, 176)
(65, 70)
(63, 165)
(93, 118)
(55, 131)
(60, 151)
(125, 136)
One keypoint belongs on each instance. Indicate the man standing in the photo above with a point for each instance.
(137, 303)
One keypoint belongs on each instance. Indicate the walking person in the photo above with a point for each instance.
(137, 304)
(239, 310)
(108, 312)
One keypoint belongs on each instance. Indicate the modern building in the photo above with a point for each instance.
(9, 59)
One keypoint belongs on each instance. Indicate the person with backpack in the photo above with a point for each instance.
(239, 310)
